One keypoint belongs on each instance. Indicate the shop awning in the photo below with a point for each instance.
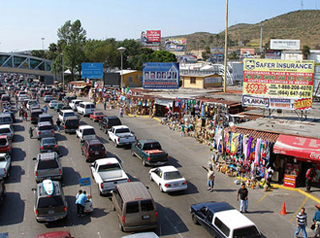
(306, 148)
(164, 102)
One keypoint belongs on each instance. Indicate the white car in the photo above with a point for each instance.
(53, 103)
(32, 104)
(86, 133)
(74, 103)
(7, 130)
(168, 178)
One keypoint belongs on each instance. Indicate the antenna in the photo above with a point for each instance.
(301, 4)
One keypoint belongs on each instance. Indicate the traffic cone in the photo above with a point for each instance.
(283, 210)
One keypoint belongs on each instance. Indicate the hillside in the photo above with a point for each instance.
(303, 25)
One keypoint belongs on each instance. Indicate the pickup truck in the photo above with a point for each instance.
(5, 163)
(121, 135)
(108, 173)
(150, 152)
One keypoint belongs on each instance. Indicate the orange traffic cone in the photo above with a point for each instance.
(283, 210)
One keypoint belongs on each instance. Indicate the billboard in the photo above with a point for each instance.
(278, 44)
(150, 37)
(217, 54)
(273, 54)
(160, 75)
(92, 70)
(278, 84)
(175, 44)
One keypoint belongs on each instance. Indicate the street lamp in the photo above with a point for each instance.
(62, 62)
(121, 50)
(0, 46)
(225, 50)
(42, 43)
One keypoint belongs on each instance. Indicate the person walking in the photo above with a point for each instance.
(45, 108)
(105, 104)
(21, 113)
(81, 203)
(210, 177)
(316, 221)
(25, 115)
(309, 177)
(58, 122)
(121, 112)
(243, 193)
(301, 223)
(30, 132)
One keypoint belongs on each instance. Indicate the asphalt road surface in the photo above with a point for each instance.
(17, 214)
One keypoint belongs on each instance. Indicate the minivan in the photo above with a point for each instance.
(135, 207)
(86, 108)
(71, 124)
(34, 115)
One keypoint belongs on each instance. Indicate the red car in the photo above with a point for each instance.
(93, 149)
(96, 116)
(5, 144)
(56, 234)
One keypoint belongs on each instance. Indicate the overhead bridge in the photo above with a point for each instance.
(24, 64)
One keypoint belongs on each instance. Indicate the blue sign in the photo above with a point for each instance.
(84, 181)
(160, 75)
(4, 235)
(92, 70)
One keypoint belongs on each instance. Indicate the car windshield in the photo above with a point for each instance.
(246, 232)
(3, 142)
(4, 130)
(152, 146)
(48, 164)
(109, 167)
(48, 141)
(87, 132)
(96, 148)
(69, 114)
(51, 201)
(123, 130)
(172, 175)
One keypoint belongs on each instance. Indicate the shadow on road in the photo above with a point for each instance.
(18, 128)
(98, 212)
(70, 176)
(192, 189)
(173, 161)
(263, 212)
(12, 209)
(18, 154)
(15, 174)
(103, 140)
(18, 138)
(63, 151)
(60, 137)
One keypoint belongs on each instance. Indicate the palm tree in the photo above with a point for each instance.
(305, 52)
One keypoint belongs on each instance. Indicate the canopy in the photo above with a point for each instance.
(306, 148)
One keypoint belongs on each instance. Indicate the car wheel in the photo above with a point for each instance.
(133, 154)
(144, 162)
(161, 190)
(194, 219)
(150, 177)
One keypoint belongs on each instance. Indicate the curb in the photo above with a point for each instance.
(155, 118)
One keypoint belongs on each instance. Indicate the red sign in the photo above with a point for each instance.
(300, 147)
(154, 35)
(302, 104)
(289, 181)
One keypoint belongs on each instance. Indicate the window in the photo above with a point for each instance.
(192, 80)
(223, 228)
(132, 207)
(130, 79)
(118, 198)
(146, 205)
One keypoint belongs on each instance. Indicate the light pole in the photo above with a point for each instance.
(62, 62)
(121, 50)
(42, 42)
(0, 46)
(225, 50)
(261, 26)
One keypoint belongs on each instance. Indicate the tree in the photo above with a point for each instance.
(72, 38)
(38, 53)
(305, 52)
(234, 55)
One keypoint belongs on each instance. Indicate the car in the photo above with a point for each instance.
(5, 144)
(93, 149)
(47, 166)
(34, 115)
(7, 130)
(55, 234)
(12, 114)
(86, 108)
(85, 133)
(96, 116)
(74, 103)
(71, 124)
(45, 129)
(2, 190)
(32, 104)
(106, 123)
(142, 235)
(6, 119)
(45, 117)
(5, 98)
(220, 219)
(66, 108)
(63, 114)
(168, 178)
(50, 203)
(5, 164)
(121, 135)
(58, 106)
(47, 98)
(49, 144)
(52, 103)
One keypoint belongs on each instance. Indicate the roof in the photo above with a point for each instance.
(133, 190)
(5, 126)
(48, 155)
(266, 136)
(44, 123)
(86, 127)
(107, 160)
(126, 71)
(87, 102)
(199, 75)
(168, 168)
(54, 234)
(120, 127)
(234, 219)
(45, 115)
(94, 141)
(57, 189)
(68, 110)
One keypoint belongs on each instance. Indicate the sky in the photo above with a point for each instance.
(25, 23)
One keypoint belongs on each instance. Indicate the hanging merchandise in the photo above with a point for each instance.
(252, 149)
(257, 154)
(239, 151)
(234, 143)
(245, 146)
(249, 147)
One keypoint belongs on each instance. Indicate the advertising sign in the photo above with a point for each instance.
(217, 54)
(150, 37)
(273, 54)
(84, 181)
(289, 181)
(160, 75)
(279, 44)
(285, 83)
(92, 70)
(176, 44)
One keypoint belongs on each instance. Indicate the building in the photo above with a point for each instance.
(131, 78)
(201, 81)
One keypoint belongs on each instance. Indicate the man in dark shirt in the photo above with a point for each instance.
(243, 192)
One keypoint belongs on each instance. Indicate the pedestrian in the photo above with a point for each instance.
(309, 177)
(21, 113)
(121, 112)
(316, 221)
(30, 132)
(58, 122)
(301, 223)
(25, 115)
(105, 104)
(182, 130)
(210, 177)
(243, 192)
(81, 203)
(45, 108)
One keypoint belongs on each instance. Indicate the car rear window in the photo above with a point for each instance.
(109, 167)
(69, 114)
(72, 123)
(35, 114)
(132, 207)
(6, 119)
(114, 122)
(96, 148)
(172, 175)
(54, 201)
(43, 119)
(248, 232)
(88, 132)
(48, 164)
(49, 141)
(147, 205)
(124, 130)
(45, 128)
(3, 142)
(152, 146)
(5, 130)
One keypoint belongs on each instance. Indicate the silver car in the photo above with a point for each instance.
(45, 129)
(47, 166)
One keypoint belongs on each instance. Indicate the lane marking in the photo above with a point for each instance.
(302, 204)
(174, 227)
(98, 233)
(263, 197)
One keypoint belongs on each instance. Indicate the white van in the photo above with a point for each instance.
(86, 108)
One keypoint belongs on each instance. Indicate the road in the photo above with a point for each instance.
(17, 216)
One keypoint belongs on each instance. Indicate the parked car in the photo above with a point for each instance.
(86, 133)
(121, 135)
(107, 173)
(106, 123)
(71, 124)
(7, 130)
(86, 108)
(150, 152)
(34, 115)
(58, 106)
(5, 164)
(5, 119)
(53, 103)
(48, 98)
(74, 103)
(142, 235)
(44, 129)
(50, 203)
(5, 144)
(49, 144)
(45, 117)
(47, 166)
(63, 114)
(220, 219)
(93, 149)
(96, 116)
(12, 114)
(55, 234)
(33, 104)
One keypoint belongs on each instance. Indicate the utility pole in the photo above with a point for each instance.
(261, 26)
(225, 50)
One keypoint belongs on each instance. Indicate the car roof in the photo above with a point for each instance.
(120, 126)
(141, 235)
(148, 141)
(5, 126)
(54, 234)
(86, 127)
(44, 123)
(57, 189)
(72, 118)
(5, 115)
(112, 117)
(36, 110)
(111, 160)
(133, 191)
(45, 115)
(168, 168)
(68, 110)
(87, 102)
(76, 100)
(234, 219)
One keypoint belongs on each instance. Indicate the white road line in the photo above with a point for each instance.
(175, 228)
(98, 233)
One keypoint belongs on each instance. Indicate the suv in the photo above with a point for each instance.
(49, 144)
(34, 115)
(86, 108)
(50, 205)
(5, 144)
(71, 124)
(63, 114)
(32, 104)
(47, 166)
(45, 117)
(45, 129)
(86, 133)
(107, 122)
(93, 149)
(74, 103)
